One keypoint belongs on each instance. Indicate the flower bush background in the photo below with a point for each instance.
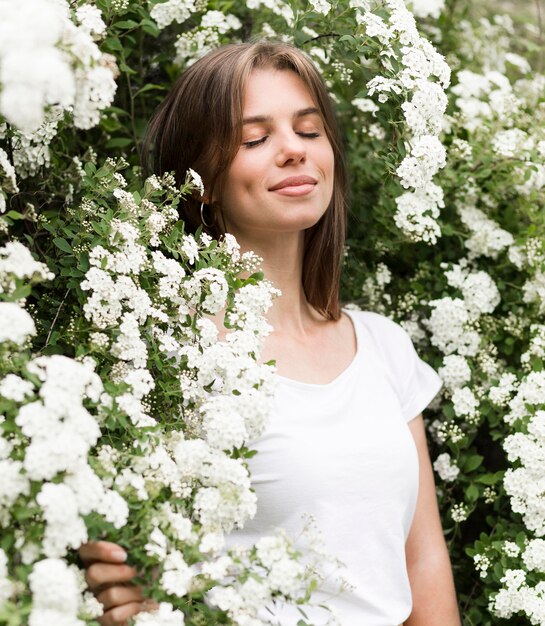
(107, 352)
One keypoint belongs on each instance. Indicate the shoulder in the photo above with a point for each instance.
(381, 328)
(415, 381)
(386, 338)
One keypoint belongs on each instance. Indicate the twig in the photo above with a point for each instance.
(56, 317)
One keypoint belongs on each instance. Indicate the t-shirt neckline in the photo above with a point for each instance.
(340, 377)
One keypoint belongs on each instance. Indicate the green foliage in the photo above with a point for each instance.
(64, 209)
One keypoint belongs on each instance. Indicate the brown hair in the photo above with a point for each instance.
(199, 126)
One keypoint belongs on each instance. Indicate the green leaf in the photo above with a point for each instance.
(62, 244)
(490, 479)
(125, 24)
(15, 215)
(119, 142)
(150, 87)
(472, 463)
(472, 492)
(112, 44)
(125, 68)
(150, 27)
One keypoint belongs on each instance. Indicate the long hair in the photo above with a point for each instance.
(199, 126)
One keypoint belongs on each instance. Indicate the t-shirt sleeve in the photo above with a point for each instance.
(421, 386)
(414, 380)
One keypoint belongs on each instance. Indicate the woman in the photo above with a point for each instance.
(346, 440)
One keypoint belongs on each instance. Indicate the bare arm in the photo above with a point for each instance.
(428, 563)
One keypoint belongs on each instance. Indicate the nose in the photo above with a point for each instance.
(292, 149)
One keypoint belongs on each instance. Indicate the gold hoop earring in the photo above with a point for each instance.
(203, 220)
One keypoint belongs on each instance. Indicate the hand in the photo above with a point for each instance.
(109, 578)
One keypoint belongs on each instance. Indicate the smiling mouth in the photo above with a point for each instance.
(295, 190)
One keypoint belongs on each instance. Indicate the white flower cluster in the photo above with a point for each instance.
(518, 597)
(31, 150)
(482, 564)
(454, 329)
(534, 555)
(422, 77)
(277, 576)
(525, 483)
(481, 97)
(57, 595)
(536, 347)
(47, 59)
(488, 42)
(58, 435)
(165, 13)
(450, 328)
(16, 325)
(512, 143)
(200, 40)
(530, 390)
(501, 393)
(465, 404)
(17, 264)
(278, 7)
(479, 291)
(374, 289)
(486, 238)
(321, 6)
(6, 586)
(534, 290)
(426, 8)
(455, 371)
(46, 435)
(453, 321)
(444, 466)
(8, 180)
(459, 513)
(165, 615)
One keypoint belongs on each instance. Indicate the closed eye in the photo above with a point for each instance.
(251, 144)
(256, 142)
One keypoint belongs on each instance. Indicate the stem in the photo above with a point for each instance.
(131, 97)
(56, 317)
(321, 37)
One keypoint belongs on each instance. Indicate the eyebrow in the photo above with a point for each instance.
(267, 118)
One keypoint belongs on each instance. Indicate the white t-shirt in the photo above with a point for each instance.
(343, 453)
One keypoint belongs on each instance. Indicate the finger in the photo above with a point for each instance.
(102, 551)
(149, 605)
(120, 615)
(98, 574)
(118, 595)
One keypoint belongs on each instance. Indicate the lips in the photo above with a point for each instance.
(294, 181)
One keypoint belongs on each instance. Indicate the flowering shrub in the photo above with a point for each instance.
(121, 404)
(474, 304)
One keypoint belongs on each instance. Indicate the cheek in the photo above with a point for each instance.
(239, 184)
(327, 158)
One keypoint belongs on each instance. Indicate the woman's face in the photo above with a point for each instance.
(281, 179)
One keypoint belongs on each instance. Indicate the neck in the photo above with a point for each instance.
(283, 266)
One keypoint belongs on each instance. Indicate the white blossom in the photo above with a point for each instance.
(165, 615)
(447, 470)
(455, 371)
(16, 325)
(47, 60)
(427, 8)
(13, 387)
